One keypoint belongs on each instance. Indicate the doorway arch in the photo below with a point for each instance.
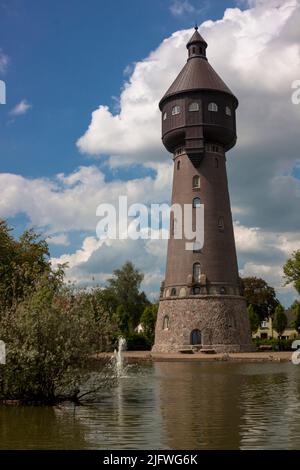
(196, 337)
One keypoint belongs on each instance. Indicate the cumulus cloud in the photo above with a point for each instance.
(69, 202)
(20, 108)
(58, 239)
(3, 61)
(257, 53)
(180, 7)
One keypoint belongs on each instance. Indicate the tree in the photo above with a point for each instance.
(291, 270)
(296, 310)
(148, 321)
(280, 320)
(260, 295)
(253, 318)
(124, 288)
(22, 263)
(49, 338)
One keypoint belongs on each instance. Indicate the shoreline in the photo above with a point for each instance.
(260, 356)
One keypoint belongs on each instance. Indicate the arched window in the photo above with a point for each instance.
(196, 290)
(193, 50)
(194, 106)
(221, 224)
(196, 181)
(196, 202)
(213, 107)
(216, 163)
(178, 165)
(228, 111)
(175, 110)
(196, 272)
(196, 337)
(173, 291)
(165, 116)
(222, 290)
(166, 322)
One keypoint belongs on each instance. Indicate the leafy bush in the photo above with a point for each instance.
(138, 342)
(277, 344)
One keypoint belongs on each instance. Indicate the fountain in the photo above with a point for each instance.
(118, 356)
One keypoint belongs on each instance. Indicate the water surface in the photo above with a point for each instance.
(171, 406)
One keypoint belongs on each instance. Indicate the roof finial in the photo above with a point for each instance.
(196, 26)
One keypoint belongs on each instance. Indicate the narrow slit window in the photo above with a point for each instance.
(196, 272)
(196, 181)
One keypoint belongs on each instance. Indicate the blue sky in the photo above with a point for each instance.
(62, 60)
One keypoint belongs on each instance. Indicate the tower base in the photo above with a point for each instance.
(208, 322)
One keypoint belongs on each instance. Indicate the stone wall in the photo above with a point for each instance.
(222, 320)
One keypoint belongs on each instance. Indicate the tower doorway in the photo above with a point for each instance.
(196, 337)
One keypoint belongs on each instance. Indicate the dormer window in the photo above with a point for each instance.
(213, 107)
(194, 106)
(175, 110)
(228, 111)
(165, 116)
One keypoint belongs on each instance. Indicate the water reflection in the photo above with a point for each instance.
(171, 405)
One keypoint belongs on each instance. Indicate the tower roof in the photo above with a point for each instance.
(196, 38)
(196, 75)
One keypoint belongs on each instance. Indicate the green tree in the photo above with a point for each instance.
(260, 295)
(148, 321)
(296, 310)
(280, 320)
(253, 318)
(291, 270)
(124, 289)
(22, 263)
(49, 339)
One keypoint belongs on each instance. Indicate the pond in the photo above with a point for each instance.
(184, 405)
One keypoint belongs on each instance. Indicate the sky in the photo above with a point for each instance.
(81, 124)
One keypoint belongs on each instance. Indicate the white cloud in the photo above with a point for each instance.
(58, 239)
(4, 60)
(181, 7)
(20, 108)
(257, 53)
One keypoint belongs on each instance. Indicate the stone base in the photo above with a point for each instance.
(222, 321)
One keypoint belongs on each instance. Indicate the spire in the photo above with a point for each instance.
(197, 45)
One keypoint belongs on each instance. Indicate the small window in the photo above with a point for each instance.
(216, 163)
(166, 322)
(213, 107)
(178, 165)
(165, 116)
(196, 272)
(228, 111)
(196, 181)
(193, 50)
(196, 202)
(222, 290)
(194, 106)
(221, 224)
(173, 291)
(175, 110)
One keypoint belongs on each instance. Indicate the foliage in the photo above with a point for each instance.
(277, 344)
(138, 342)
(124, 289)
(148, 321)
(291, 270)
(22, 263)
(260, 295)
(253, 318)
(296, 311)
(280, 320)
(49, 338)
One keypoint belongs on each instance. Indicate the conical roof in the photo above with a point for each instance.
(196, 39)
(196, 75)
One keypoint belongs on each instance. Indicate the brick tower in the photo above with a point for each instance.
(201, 304)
